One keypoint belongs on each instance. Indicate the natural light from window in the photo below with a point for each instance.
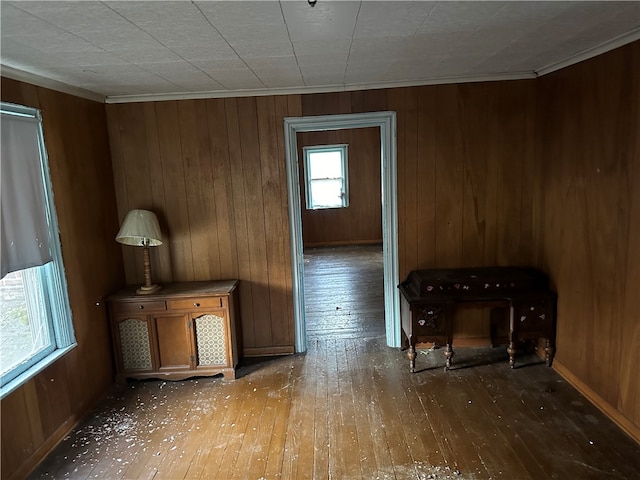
(24, 333)
(326, 177)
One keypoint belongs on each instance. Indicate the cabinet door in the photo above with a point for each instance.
(174, 342)
(212, 339)
(133, 342)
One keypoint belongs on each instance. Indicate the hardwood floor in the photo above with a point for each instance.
(344, 291)
(350, 409)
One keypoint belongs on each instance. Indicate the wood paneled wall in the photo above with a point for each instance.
(466, 174)
(361, 222)
(589, 145)
(214, 172)
(39, 414)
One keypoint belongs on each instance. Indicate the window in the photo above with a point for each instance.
(326, 176)
(35, 316)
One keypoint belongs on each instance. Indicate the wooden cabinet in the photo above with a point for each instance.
(184, 330)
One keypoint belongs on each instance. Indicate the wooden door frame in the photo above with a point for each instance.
(386, 121)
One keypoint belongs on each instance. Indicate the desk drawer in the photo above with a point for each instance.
(430, 320)
(139, 306)
(534, 316)
(196, 303)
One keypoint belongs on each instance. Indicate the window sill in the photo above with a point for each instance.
(34, 370)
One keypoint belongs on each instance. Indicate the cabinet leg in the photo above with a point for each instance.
(448, 353)
(412, 358)
(549, 351)
(511, 350)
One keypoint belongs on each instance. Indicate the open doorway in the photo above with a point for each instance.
(386, 122)
(340, 187)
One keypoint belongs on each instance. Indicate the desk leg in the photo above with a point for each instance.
(549, 351)
(412, 358)
(513, 335)
(448, 353)
(511, 350)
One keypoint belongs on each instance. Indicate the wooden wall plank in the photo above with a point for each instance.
(426, 177)
(17, 430)
(449, 178)
(473, 123)
(368, 101)
(160, 257)
(509, 138)
(286, 106)
(176, 215)
(198, 180)
(274, 214)
(222, 188)
(241, 223)
(326, 103)
(255, 212)
(410, 179)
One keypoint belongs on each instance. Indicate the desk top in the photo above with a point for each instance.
(475, 283)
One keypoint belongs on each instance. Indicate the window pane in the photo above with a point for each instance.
(24, 327)
(325, 172)
(326, 193)
(325, 165)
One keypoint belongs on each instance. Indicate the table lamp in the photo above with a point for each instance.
(140, 229)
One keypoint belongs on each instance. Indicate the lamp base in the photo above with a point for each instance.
(145, 290)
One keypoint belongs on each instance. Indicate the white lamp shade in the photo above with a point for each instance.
(140, 228)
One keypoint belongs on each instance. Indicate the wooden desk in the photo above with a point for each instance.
(429, 298)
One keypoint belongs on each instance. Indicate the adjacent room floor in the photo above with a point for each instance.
(350, 409)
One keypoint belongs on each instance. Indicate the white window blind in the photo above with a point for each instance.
(24, 240)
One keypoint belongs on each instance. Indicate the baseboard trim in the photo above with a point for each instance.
(55, 438)
(342, 243)
(605, 407)
(268, 351)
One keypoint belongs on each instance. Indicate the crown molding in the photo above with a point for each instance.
(605, 47)
(22, 76)
(315, 89)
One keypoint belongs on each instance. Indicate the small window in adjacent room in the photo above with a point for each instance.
(35, 316)
(325, 169)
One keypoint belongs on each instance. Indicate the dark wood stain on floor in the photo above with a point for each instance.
(350, 409)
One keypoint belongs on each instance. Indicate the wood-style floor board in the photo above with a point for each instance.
(350, 409)
(320, 467)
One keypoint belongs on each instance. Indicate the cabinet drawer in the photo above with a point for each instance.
(139, 306)
(196, 303)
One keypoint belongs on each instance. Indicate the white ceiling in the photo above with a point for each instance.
(135, 50)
